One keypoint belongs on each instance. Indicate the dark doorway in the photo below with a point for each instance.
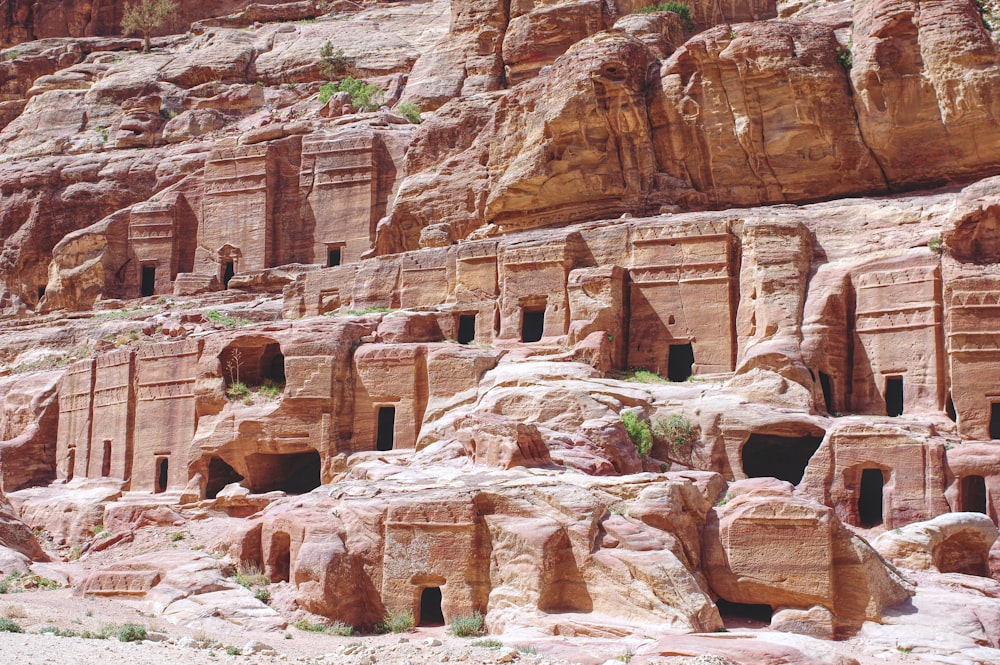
(106, 460)
(272, 364)
(995, 420)
(870, 497)
(893, 396)
(532, 324)
(949, 409)
(430, 607)
(466, 328)
(680, 362)
(824, 383)
(973, 494)
(781, 457)
(220, 474)
(386, 434)
(280, 557)
(162, 474)
(333, 257)
(41, 292)
(295, 473)
(228, 273)
(744, 614)
(70, 464)
(148, 285)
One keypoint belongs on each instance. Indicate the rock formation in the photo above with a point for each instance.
(636, 328)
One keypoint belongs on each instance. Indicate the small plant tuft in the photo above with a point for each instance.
(679, 8)
(308, 626)
(636, 375)
(409, 111)
(936, 245)
(333, 62)
(844, 55)
(396, 622)
(488, 644)
(676, 431)
(249, 575)
(467, 626)
(639, 431)
(234, 651)
(340, 629)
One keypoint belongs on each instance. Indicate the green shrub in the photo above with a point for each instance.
(234, 651)
(326, 91)
(467, 626)
(9, 626)
(131, 632)
(308, 626)
(639, 431)
(488, 644)
(176, 535)
(58, 632)
(262, 594)
(238, 392)
(936, 245)
(396, 622)
(679, 8)
(270, 390)
(11, 55)
(409, 111)
(224, 320)
(676, 431)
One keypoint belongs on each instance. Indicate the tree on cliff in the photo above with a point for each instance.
(146, 15)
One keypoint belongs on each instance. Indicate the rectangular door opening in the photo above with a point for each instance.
(466, 328)
(333, 257)
(973, 494)
(532, 324)
(680, 362)
(148, 286)
(386, 428)
(995, 420)
(430, 607)
(893, 396)
(162, 474)
(870, 497)
(228, 274)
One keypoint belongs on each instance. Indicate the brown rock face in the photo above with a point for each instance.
(761, 113)
(926, 76)
(25, 20)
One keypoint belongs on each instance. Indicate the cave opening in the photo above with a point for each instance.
(291, 473)
(228, 274)
(220, 474)
(744, 614)
(430, 607)
(147, 287)
(781, 457)
(162, 474)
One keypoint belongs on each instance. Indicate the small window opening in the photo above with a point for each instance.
(162, 474)
(870, 497)
(386, 428)
(532, 324)
(281, 557)
(106, 460)
(824, 383)
(973, 494)
(680, 362)
(430, 607)
(995, 420)
(148, 286)
(466, 328)
(333, 257)
(228, 274)
(894, 396)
